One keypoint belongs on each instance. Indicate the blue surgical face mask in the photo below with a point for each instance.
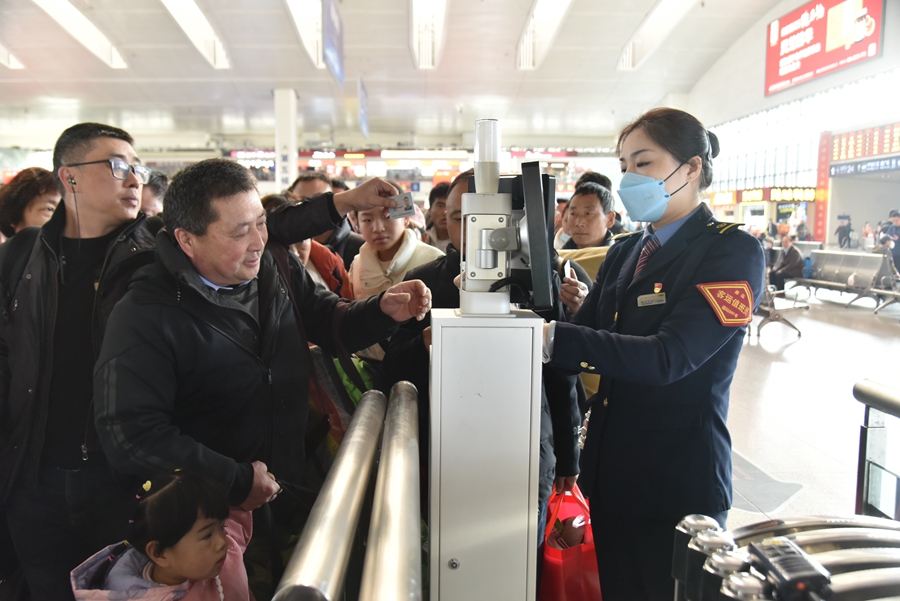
(645, 198)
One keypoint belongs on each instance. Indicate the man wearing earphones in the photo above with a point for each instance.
(61, 501)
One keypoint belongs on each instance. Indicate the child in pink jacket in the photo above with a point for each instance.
(185, 545)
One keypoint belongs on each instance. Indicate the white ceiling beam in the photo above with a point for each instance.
(660, 22)
(427, 19)
(8, 60)
(307, 17)
(541, 27)
(84, 31)
(199, 30)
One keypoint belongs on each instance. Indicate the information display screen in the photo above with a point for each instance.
(821, 37)
(869, 142)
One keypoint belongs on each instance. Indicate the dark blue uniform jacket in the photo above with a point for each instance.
(657, 443)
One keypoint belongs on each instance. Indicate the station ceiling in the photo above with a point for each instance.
(575, 94)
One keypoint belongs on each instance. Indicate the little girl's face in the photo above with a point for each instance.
(200, 554)
(379, 230)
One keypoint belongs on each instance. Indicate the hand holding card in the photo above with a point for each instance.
(405, 206)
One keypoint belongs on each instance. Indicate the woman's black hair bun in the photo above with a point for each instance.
(713, 144)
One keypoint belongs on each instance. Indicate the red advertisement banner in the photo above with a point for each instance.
(820, 37)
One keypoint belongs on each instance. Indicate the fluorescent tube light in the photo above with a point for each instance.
(84, 32)
(427, 31)
(199, 30)
(307, 16)
(8, 60)
(540, 30)
(660, 22)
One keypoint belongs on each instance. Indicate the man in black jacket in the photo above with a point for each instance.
(61, 502)
(407, 358)
(203, 366)
(789, 267)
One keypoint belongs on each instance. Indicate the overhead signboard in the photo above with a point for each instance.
(863, 167)
(821, 37)
(333, 40)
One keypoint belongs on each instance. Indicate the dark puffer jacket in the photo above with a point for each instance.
(26, 338)
(187, 378)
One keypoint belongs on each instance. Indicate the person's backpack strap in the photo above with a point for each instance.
(18, 251)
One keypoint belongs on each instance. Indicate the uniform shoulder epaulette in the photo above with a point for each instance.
(724, 226)
(624, 235)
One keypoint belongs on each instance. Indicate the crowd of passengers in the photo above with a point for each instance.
(155, 363)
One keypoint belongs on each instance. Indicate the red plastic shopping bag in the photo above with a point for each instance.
(570, 567)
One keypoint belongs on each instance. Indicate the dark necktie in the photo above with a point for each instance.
(650, 247)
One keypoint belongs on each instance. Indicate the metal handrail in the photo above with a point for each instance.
(393, 565)
(879, 396)
(318, 564)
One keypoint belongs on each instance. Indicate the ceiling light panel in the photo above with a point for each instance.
(307, 16)
(84, 32)
(540, 30)
(8, 60)
(660, 22)
(427, 31)
(199, 30)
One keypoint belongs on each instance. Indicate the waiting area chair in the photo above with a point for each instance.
(771, 313)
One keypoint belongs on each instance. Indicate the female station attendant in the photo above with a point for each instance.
(663, 325)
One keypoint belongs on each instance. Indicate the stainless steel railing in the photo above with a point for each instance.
(880, 396)
(318, 565)
(393, 565)
(878, 465)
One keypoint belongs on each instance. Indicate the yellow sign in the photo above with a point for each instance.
(752, 195)
(724, 198)
(792, 194)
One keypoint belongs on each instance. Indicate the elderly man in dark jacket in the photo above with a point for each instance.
(203, 366)
(789, 267)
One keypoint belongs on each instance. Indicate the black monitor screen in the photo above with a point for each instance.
(533, 196)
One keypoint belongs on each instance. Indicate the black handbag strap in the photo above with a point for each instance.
(280, 254)
(343, 356)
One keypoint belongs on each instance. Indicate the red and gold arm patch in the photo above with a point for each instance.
(732, 302)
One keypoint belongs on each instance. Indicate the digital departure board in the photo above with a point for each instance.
(821, 37)
(869, 142)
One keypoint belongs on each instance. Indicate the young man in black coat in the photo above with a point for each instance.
(61, 502)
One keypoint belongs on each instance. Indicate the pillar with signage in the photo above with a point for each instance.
(285, 136)
(822, 184)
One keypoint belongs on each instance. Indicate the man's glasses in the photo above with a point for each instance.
(120, 169)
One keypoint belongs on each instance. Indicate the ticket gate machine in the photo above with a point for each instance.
(486, 394)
